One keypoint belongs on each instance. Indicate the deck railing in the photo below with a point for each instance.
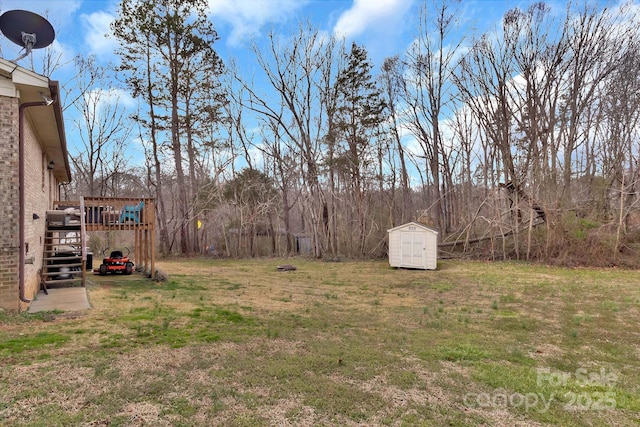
(114, 213)
(135, 214)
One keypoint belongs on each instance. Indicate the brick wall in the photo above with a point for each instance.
(37, 201)
(9, 203)
(40, 189)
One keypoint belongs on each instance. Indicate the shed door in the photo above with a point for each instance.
(412, 248)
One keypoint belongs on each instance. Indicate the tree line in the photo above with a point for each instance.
(517, 143)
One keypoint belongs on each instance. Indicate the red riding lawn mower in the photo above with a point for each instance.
(116, 262)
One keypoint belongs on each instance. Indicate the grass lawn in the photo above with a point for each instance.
(237, 343)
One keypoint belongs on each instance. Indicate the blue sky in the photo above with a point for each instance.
(384, 27)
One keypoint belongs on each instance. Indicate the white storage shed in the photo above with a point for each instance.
(413, 245)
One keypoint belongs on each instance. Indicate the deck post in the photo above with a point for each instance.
(83, 241)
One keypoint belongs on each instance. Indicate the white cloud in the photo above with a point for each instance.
(367, 15)
(96, 27)
(247, 17)
(114, 97)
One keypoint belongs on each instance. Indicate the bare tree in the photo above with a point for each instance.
(103, 128)
(391, 82)
(593, 57)
(293, 70)
(429, 92)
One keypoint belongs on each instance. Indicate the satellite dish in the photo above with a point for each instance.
(27, 29)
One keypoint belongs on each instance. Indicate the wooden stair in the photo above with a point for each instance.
(64, 263)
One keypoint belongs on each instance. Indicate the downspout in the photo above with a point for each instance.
(21, 234)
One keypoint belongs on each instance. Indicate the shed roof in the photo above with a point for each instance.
(416, 224)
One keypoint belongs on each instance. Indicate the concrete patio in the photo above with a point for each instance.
(64, 299)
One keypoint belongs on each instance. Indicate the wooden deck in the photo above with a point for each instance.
(119, 214)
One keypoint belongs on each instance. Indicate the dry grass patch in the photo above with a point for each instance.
(237, 343)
